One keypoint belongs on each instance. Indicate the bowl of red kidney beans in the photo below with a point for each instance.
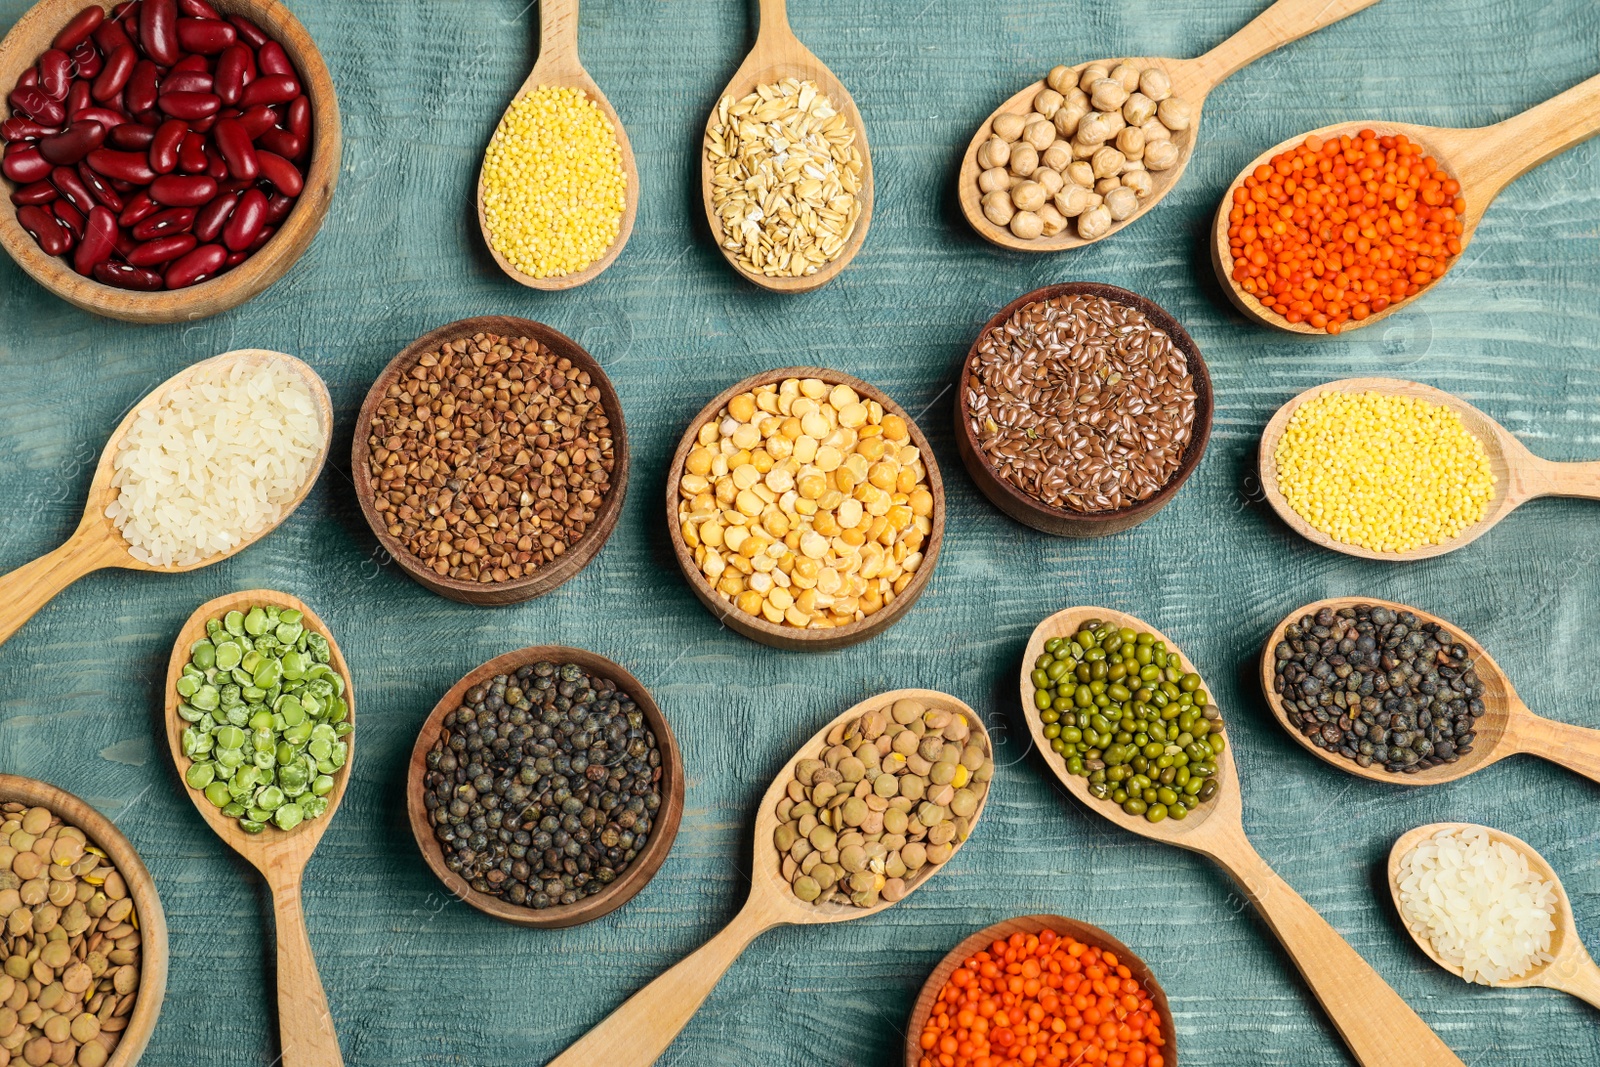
(164, 159)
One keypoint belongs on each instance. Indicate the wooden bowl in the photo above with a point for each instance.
(1065, 522)
(21, 48)
(644, 865)
(577, 556)
(141, 887)
(1033, 924)
(792, 637)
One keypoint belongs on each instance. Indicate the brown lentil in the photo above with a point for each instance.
(70, 941)
(491, 457)
(1080, 402)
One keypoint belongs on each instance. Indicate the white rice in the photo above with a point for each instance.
(214, 462)
(1479, 904)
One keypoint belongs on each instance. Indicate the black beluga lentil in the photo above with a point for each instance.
(544, 785)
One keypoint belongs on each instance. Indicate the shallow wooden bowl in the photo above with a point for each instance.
(141, 887)
(547, 578)
(792, 637)
(21, 49)
(1033, 924)
(644, 865)
(1065, 522)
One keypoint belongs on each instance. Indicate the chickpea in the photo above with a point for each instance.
(1083, 151)
(1050, 179)
(1027, 225)
(1162, 155)
(997, 209)
(1057, 156)
(993, 179)
(1127, 75)
(1096, 222)
(1139, 109)
(1130, 142)
(1107, 163)
(1139, 180)
(1061, 79)
(1174, 113)
(1091, 74)
(1008, 127)
(994, 153)
(1047, 103)
(1093, 130)
(1155, 84)
(1122, 203)
(1041, 134)
(1074, 200)
(1028, 196)
(1068, 118)
(1105, 185)
(1024, 159)
(1107, 94)
(1081, 172)
(1154, 131)
(1052, 220)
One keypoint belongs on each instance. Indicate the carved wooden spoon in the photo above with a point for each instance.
(559, 67)
(1192, 80)
(1572, 971)
(97, 544)
(305, 1025)
(636, 1034)
(1378, 1026)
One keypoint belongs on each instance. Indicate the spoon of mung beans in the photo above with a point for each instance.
(848, 865)
(1376, 1024)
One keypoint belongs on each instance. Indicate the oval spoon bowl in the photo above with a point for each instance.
(643, 867)
(21, 48)
(923, 1009)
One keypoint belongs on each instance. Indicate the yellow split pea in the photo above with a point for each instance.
(1384, 473)
(806, 505)
(554, 188)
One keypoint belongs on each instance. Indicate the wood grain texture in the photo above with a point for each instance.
(417, 979)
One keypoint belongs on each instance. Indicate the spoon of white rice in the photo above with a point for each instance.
(1486, 907)
(210, 462)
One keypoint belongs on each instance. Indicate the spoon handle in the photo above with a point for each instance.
(1379, 1027)
(1495, 156)
(31, 586)
(305, 1025)
(1546, 478)
(636, 1034)
(1576, 748)
(774, 19)
(558, 42)
(1583, 981)
(1284, 21)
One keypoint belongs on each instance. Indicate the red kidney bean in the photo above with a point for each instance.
(140, 207)
(299, 117)
(33, 102)
(130, 137)
(249, 32)
(70, 217)
(175, 190)
(162, 250)
(78, 30)
(259, 120)
(46, 229)
(278, 208)
(198, 9)
(211, 218)
(191, 106)
(164, 146)
(55, 73)
(25, 165)
(191, 64)
(247, 220)
(165, 224)
(86, 61)
(40, 192)
(99, 188)
(217, 167)
(206, 37)
(283, 143)
(21, 129)
(261, 239)
(158, 31)
(270, 89)
(118, 69)
(105, 116)
(72, 144)
(186, 81)
(284, 176)
(143, 87)
(233, 141)
(69, 185)
(77, 99)
(28, 79)
(110, 36)
(203, 125)
(196, 267)
(234, 259)
(192, 157)
(272, 59)
(99, 241)
(125, 243)
(236, 68)
(125, 166)
(125, 276)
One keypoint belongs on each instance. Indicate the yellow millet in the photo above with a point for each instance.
(1384, 473)
(553, 185)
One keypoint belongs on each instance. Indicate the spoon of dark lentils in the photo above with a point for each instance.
(1379, 687)
(544, 785)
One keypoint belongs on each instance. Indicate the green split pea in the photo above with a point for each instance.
(266, 718)
(1122, 712)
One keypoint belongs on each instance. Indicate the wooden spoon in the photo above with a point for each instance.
(1378, 1026)
(97, 544)
(559, 67)
(1519, 475)
(1192, 80)
(1572, 971)
(778, 54)
(305, 1026)
(636, 1034)
(1506, 727)
(1484, 160)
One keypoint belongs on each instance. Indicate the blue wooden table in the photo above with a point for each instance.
(414, 977)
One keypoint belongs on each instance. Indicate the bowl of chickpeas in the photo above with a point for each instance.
(806, 509)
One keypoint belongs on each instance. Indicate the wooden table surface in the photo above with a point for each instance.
(414, 977)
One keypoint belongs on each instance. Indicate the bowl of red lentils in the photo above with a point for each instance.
(1041, 991)
(491, 459)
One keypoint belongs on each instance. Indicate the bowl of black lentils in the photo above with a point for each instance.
(546, 788)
